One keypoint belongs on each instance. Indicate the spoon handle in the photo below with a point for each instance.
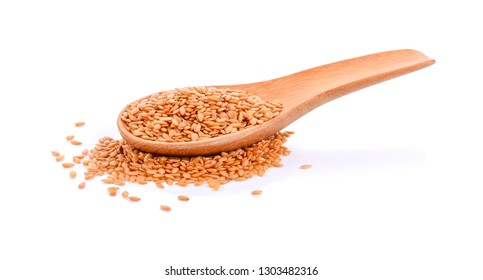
(325, 83)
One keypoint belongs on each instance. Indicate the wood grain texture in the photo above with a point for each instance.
(300, 93)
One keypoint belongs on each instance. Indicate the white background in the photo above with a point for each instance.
(396, 188)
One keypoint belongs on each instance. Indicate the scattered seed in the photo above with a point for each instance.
(67, 165)
(76, 142)
(305, 166)
(256, 192)
(134, 198)
(125, 194)
(73, 174)
(112, 193)
(59, 158)
(119, 182)
(79, 124)
(55, 153)
(69, 137)
(183, 198)
(113, 189)
(108, 181)
(82, 185)
(129, 164)
(215, 185)
(165, 208)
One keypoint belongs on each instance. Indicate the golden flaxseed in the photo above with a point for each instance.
(305, 166)
(133, 165)
(67, 165)
(113, 189)
(196, 113)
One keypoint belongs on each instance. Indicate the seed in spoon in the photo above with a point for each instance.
(203, 114)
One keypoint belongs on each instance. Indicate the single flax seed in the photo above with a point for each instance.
(183, 198)
(113, 189)
(67, 165)
(256, 192)
(108, 181)
(119, 182)
(134, 198)
(215, 185)
(165, 208)
(73, 174)
(70, 137)
(76, 142)
(82, 185)
(305, 166)
(78, 124)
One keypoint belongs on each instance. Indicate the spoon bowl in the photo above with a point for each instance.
(299, 93)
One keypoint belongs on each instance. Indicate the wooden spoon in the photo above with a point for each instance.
(299, 93)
